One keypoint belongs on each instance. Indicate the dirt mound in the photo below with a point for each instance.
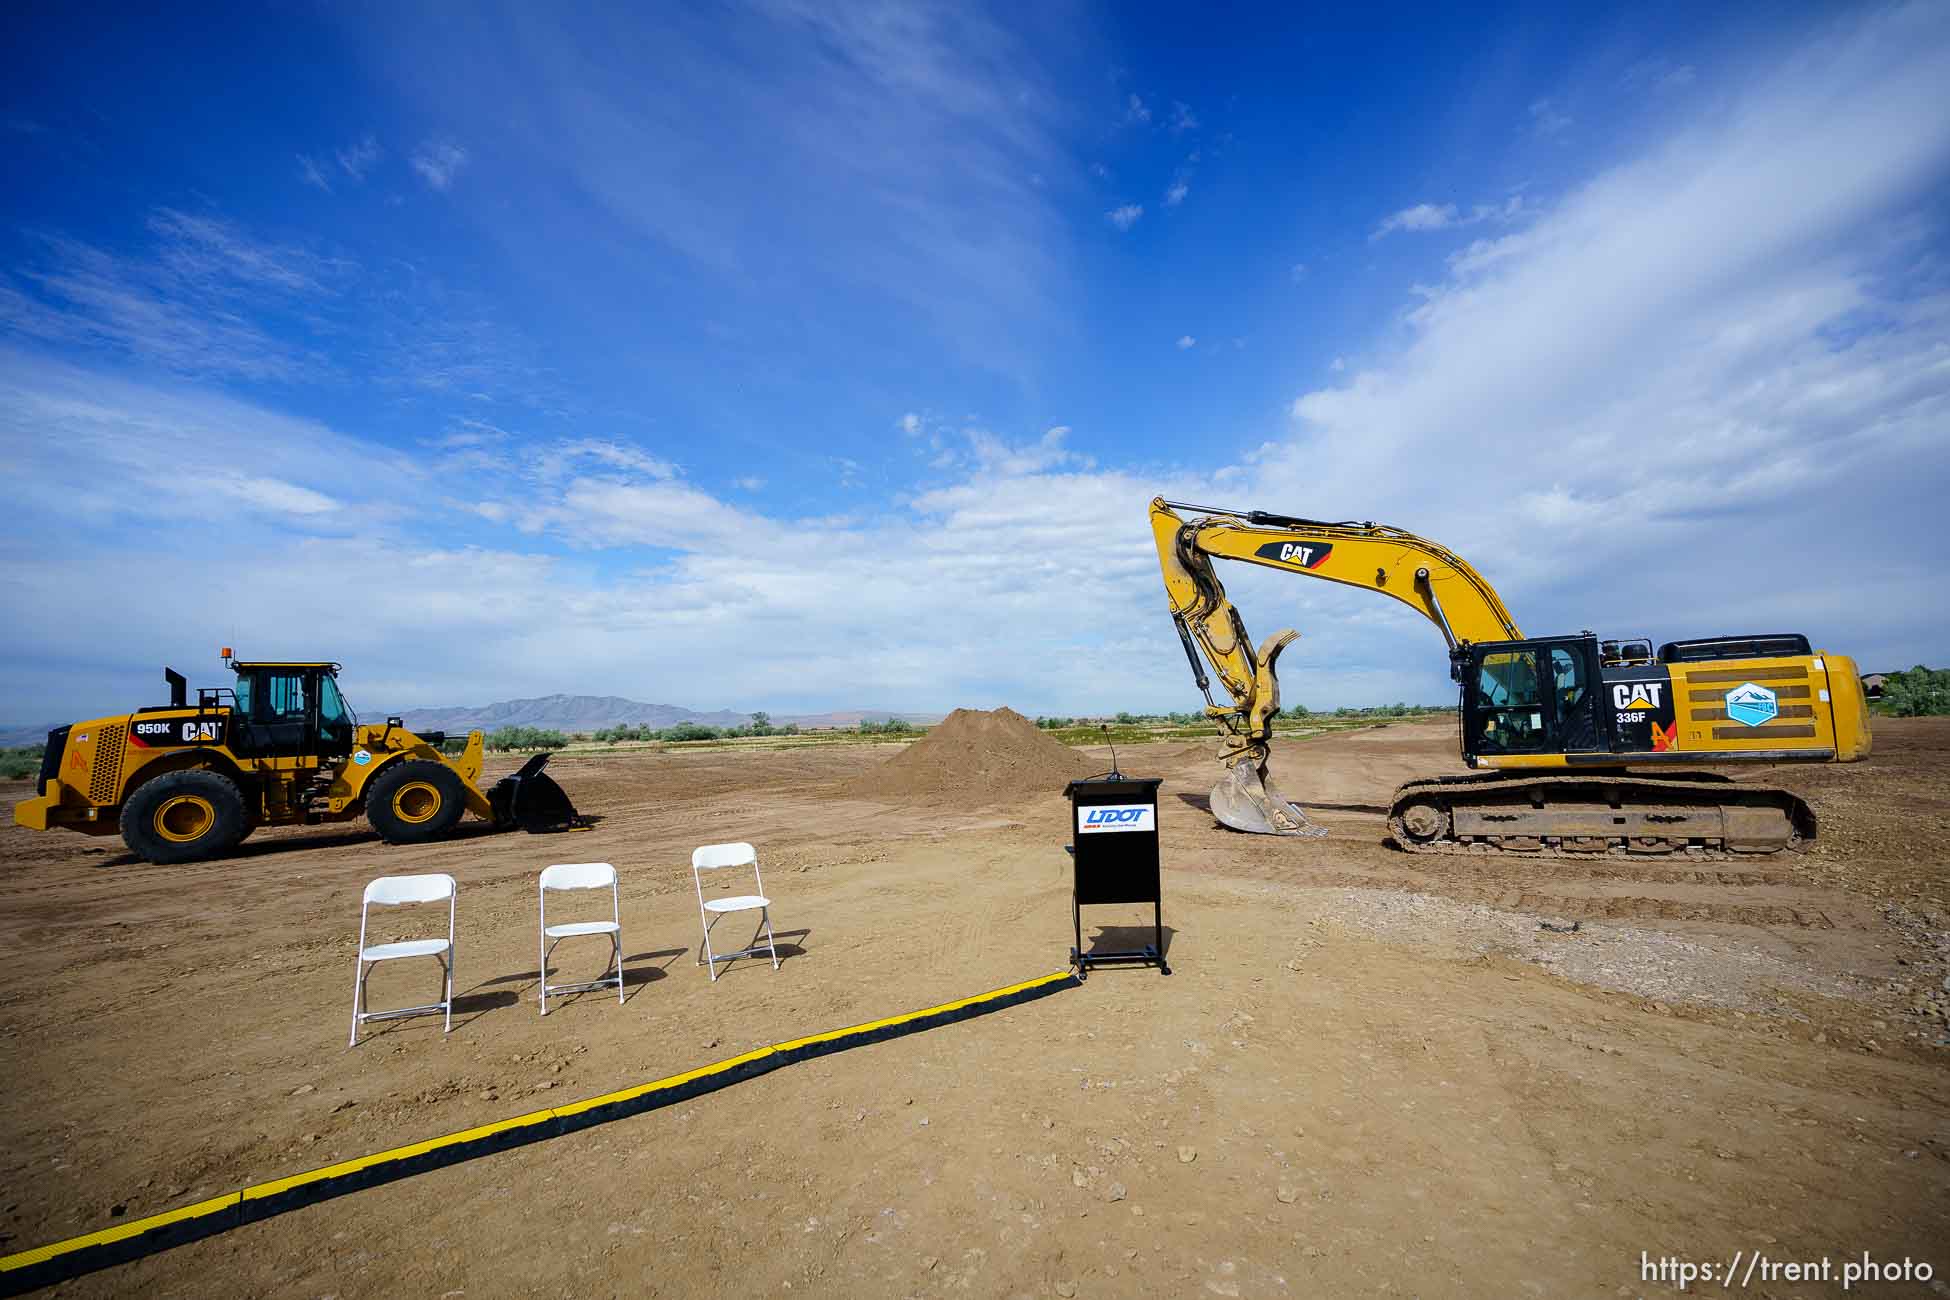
(974, 757)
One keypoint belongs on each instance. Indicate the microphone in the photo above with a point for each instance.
(1115, 775)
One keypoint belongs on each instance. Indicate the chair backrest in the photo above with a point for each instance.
(578, 875)
(391, 891)
(712, 856)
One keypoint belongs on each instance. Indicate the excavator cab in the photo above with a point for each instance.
(1531, 697)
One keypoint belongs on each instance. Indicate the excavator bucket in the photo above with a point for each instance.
(533, 801)
(1247, 800)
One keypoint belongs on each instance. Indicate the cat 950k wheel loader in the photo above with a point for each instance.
(183, 782)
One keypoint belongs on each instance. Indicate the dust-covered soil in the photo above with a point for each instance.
(1367, 1072)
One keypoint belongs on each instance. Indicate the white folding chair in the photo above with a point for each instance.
(581, 875)
(393, 891)
(710, 858)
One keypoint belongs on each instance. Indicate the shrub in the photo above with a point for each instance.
(20, 763)
(891, 727)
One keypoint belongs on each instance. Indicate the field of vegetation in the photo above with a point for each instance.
(1122, 728)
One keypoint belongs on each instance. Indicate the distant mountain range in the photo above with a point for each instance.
(567, 713)
(594, 712)
(562, 713)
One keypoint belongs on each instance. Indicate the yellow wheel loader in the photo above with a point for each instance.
(183, 782)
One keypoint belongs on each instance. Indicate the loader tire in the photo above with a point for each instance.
(414, 802)
(184, 817)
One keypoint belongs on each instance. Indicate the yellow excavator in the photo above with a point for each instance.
(1552, 724)
(184, 782)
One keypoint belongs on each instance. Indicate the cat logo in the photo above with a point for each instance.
(1308, 555)
(1638, 696)
(199, 731)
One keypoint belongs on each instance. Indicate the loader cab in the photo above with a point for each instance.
(1539, 696)
(290, 710)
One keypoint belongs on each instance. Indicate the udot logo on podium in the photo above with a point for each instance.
(1117, 817)
(1752, 704)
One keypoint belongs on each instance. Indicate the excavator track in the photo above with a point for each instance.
(1697, 816)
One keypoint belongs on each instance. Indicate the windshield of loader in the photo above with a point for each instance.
(334, 719)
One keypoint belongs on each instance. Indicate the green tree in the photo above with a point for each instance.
(525, 738)
(1917, 692)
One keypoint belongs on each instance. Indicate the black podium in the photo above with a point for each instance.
(1114, 848)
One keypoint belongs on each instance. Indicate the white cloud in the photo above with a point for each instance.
(910, 424)
(1693, 394)
(1176, 194)
(1186, 341)
(190, 305)
(357, 159)
(208, 251)
(1546, 118)
(1431, 216)
(1297, 272)
(438, 162)
(748, 483)
(616, 455)
(1423, 216)
(1136, 110)
(898, 147)
(312, 174)
(272, 495)
(1182, 118)
(1700, 344)
(1125, 217)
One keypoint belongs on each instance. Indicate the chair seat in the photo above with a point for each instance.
(404, 948)
(741, 903)
(569, 929)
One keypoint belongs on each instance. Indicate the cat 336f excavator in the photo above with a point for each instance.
(1554, 722)
(185, 782)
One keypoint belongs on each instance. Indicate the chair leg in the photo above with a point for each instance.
(709, 957)
(542, 972)
(766, 913)
(448, 964)
(618, 937)
(358, 999)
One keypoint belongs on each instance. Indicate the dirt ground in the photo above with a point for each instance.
(1368, 1073)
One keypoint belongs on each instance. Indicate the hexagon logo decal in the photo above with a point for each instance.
(1752, 704)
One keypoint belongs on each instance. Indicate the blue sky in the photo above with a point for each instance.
(788, 356)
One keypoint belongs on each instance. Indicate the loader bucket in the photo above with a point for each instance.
(1247, 800)
(533, 801)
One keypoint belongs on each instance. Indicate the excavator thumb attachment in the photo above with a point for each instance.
(1247, 800)
(533, 801)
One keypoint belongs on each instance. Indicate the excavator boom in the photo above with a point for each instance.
(1422, 574)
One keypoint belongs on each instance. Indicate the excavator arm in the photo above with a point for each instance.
(1423, 575)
